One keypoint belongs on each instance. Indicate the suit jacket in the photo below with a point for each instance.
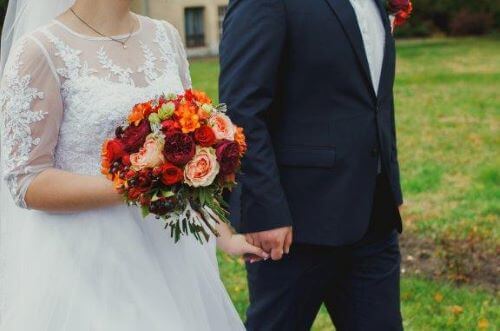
(295, 76)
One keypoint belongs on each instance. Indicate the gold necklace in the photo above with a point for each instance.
(123, 41)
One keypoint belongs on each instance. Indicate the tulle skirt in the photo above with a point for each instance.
(106, 270)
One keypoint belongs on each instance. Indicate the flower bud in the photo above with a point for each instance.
(154, 118)
(171, 96)
(207, 108)
(166, 111)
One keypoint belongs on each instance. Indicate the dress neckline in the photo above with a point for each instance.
(88, 37)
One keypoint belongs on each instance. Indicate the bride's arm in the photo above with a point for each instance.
(31, 110)
(236, 244)
(55, 190)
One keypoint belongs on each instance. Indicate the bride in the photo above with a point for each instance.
(72, 255)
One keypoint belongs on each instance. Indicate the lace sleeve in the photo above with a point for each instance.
(31, 112)
(181, 59)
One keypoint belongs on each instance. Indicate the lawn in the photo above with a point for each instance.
(448, 113)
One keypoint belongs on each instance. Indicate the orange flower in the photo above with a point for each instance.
(201, 97)
(240, 138)
(118, 183)
(189, 123)
(185, 109)
(140, 112)
(230, 179)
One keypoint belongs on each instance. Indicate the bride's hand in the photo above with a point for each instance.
(237, 245)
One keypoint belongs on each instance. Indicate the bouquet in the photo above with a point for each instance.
(400, 11)
(174, 158)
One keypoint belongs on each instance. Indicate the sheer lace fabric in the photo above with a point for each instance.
(64, 93)
(61, 95)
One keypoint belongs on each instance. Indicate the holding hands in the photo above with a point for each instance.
(276, 242)
(256, 246)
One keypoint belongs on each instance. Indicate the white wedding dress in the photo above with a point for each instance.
(62, 95)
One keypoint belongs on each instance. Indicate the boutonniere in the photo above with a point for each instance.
(400, 11)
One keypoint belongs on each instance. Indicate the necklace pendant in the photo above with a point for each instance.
(125, 46)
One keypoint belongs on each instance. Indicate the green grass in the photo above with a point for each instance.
(448, 114)
(460, 309)
(448, 111)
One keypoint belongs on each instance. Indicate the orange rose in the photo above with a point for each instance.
(189, 123)
(201, 97)
(140, 112)
(185, 109)
(222, 126)
(240, 138)
(150, 155)
(202, 169)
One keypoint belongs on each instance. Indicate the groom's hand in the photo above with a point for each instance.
(276, 242)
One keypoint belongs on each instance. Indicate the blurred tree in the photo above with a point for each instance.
(3, 9)
(453, 17)
(431, 16)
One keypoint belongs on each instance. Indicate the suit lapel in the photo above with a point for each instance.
(389, 56)
(347, 17)
(383, 14)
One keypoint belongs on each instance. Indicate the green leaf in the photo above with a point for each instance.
(167, 194)
(145, 211)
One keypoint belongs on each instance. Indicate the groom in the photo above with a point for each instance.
(311, 83)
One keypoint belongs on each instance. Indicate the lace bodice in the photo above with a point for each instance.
(64, 93)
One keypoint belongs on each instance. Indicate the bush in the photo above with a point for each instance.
(468, 23)
(453, 17)
(416, 29)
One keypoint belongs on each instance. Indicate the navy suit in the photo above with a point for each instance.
(295, 76)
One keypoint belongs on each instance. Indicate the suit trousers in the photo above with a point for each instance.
(359, 283)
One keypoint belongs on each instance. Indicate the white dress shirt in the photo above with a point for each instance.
(373, 33)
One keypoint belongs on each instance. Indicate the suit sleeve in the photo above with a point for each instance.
(250, 55)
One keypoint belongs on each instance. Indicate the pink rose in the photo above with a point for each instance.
(202, 169)
(222, 126)
(150, 155)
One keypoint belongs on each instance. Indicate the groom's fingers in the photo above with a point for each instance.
(257, 252)
(277, 253)
(288, 241)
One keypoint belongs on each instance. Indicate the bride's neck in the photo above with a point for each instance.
(110, 16)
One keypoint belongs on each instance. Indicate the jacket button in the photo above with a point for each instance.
(375, 152)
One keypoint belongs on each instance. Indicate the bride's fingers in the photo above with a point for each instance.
(257, 251)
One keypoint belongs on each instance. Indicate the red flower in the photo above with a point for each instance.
(179, 148)
(126, 160)
(228, 155)
(136, 193)
(144, 179)
(170, 126)
(169, 174)
(134, 137)
(113, 150)
(401, 9)
(205, 136)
